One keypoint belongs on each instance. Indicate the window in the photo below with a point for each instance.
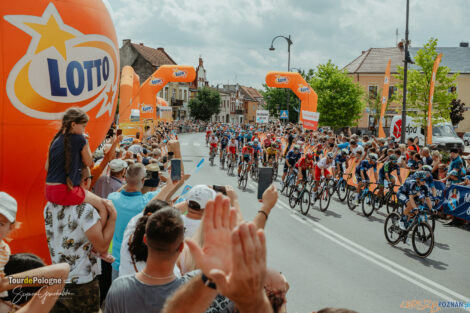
(166, 93)
(391, 91)
(180, 95)
(185, 95)
(372, 92)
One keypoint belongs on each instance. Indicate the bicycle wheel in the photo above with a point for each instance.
(245, 180)
(422, 239)
(352, 199)
(392, 202)
(393, 233)
(368, 204)
(284, 185)
(293, 198)
(324, 198)
(377, 200)
(342, 190)
(330, 183)
(304, 202)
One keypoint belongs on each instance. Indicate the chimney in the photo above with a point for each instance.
(126, 41)
(200, 62)
(464, 44)
(161, 49)
(363, 52)
(141, 43)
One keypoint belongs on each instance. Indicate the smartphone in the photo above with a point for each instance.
(220, 189)
(119, 132)
(175, 169)
(265, 180)
(134, 156)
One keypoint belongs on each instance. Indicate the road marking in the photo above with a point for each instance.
(197, 144)
(184, 143)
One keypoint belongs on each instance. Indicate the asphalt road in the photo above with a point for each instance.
(340, 258)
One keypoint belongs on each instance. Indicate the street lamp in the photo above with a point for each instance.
(405, 75)
(289, 43)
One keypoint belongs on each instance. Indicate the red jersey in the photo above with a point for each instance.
(304, 163)
(267, 143)
(247, 150)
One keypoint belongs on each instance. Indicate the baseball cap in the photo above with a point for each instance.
(117, 165)
(201, 194)
(8, 206)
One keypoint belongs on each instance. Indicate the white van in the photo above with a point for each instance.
(443, 134)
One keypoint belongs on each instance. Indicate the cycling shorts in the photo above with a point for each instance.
(213, 145)
(232, 150)
(403, 198)
(318, 173)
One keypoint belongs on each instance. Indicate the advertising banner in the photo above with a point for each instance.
(431, 95)
(385, 91)
(457, 202)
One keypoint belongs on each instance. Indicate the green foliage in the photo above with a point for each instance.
(340, 99)
(457, 109)
(419, 83)
(375, 106)
(205, 104)
(276, 99)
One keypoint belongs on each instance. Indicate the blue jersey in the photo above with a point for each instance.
(388, 168)
(293, 157)
(257, 149)
(340, 159)
(411, 188)
(364, 166)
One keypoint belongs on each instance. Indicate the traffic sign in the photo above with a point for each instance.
(284, 114)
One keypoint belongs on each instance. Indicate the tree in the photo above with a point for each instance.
(457, 108)
(419, 83)
(276, 99)
(340, 100)
(205, 104)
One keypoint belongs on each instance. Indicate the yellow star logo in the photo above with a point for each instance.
(51, 36)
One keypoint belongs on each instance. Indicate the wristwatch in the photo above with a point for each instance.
(206, 281)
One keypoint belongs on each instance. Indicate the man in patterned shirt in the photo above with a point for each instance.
(72, 232)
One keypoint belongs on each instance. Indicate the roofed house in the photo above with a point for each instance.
(251, 100)
(369, 69)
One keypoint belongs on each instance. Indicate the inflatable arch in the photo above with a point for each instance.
(308, 97)
(55, 55)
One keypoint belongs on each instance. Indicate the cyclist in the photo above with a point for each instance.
(241, 139)
(361, 172)
(341, 161)
(266, 144)
(232, 148)
(292, 158)
(213, 143)
(385, 173)
(279, 147)
(321, 169)
(409, 193)
(256, 150)
(223, 143)
(272, 152)
(305, 163)
(208, 133)
(247, 153)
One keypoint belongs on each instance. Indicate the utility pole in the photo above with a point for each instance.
(405, 76)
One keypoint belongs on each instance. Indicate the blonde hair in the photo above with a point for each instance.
(186, 260)
(436, 153)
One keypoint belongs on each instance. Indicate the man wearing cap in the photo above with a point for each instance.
(108, 184)
(8, 208)
(197, 199)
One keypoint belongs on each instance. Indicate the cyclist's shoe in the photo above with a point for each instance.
(402, 225)
(356, 201)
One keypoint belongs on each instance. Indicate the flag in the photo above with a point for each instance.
(384, 99)
(431, 95)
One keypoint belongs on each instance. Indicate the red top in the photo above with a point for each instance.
(304, 163)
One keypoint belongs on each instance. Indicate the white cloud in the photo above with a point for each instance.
(233, 36)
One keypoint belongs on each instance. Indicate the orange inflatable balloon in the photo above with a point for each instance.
(55, 55)
(308, 97)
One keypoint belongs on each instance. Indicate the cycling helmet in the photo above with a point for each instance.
(427, 168)
(296, 147)
(330, 155)
(345, 151)
(309, 156)
(373, 157)
(255, 141)
(453, 173)
(421, 175)
(278, 140)
(393, 158)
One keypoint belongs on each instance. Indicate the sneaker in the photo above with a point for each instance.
(402, 226)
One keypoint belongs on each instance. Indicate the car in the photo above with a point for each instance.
(466, 138)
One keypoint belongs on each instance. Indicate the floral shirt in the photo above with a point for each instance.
(65, 232)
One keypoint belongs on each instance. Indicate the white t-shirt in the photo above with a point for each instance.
(358, 148)
(65, 231)
(126, 267)
(323, 165)
(191, 226)
(232, 143)
(213, 140)
(136, 149)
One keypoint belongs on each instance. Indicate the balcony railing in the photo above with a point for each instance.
(176, 103)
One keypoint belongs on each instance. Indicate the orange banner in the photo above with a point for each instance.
(431, 95)
(129, 87)
(308, 97)
(385, 91)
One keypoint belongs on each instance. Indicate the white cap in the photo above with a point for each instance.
(117, 165)
(201, 194)
(8, 206)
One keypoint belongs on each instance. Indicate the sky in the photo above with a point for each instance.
(233, 36)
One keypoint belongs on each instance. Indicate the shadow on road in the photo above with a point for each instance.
(438, 265)
(334, 214)
(371, 218)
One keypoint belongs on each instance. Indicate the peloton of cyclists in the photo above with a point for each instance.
(385, 173)
(321, 170)
(361, 173)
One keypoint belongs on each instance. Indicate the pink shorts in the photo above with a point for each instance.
(60, 194)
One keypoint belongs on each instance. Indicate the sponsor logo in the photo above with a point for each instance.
(61, 68)
(179, 73)
(303, 88)
(397, 129)
(156, 81)
(147, 108)
(281, 79)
